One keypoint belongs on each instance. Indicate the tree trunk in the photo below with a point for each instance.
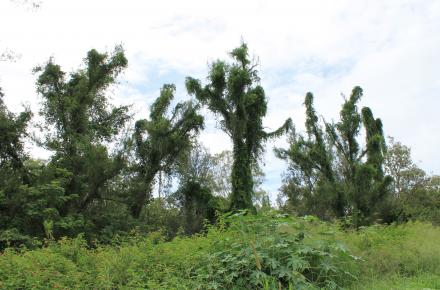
(241, 177)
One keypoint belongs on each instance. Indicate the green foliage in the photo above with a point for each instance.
(30, 192)
(234, 94)
(416, 196)
(33, 205)
(80, 120)
(273, 251)
(399, 165)
(13, 130)
(262, 252)
(126, 239)
(269, 251)
(329, 173)
(167, 138)
(198, 205)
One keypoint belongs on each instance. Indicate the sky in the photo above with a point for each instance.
(389, 48)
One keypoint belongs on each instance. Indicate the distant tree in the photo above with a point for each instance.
(198, 164)
(9, 55)
(159, 143)
(234, 93)
(195, 195)
(222, 173)
(198, 204)
(416, 195)
(399, 165)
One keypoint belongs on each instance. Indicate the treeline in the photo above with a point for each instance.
(100, 178)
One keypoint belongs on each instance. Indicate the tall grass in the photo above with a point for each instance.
(397, 256)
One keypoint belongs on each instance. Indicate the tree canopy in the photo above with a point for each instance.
(330, 175)
(166, 138)
(235, 95)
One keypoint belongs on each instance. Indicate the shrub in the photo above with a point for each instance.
(272, 250)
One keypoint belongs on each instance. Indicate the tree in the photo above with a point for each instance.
(166, 138)
(311, 181)
(221, 171)
(80, 121)
(416, 195)
(30, 191)
(198, 164)
(400, 166)
(195, 198)
(330, 174)
(197, 204)
(13, 173)
(234, 94)
(12, 131)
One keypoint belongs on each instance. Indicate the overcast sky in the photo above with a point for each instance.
(390, 48)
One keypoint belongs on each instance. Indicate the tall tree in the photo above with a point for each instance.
(311, 181)
(363, 180)
(80, 121)
(159, 141)
(330, 174)
(234, 93)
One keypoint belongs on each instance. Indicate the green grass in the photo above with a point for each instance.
(397, 282)
(397, 257)
(269, 251)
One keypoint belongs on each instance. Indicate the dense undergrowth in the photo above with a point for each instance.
(266, 251)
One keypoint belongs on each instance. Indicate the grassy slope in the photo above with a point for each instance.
(398, 257)
(394, 257)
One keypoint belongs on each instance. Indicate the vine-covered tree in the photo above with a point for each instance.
(159, 141)
(364, 182)
(330, 171)
(311, 181)
(234, 93)
(80, 121)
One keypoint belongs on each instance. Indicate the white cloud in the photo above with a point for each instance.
(388, 47)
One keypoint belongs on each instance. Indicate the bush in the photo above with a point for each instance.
(271, 251)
